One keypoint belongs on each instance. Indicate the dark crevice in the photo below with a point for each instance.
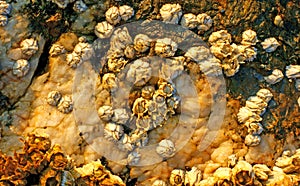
(43, 62)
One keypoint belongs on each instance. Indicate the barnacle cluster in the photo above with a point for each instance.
(64, 104)
(232, 55)
(5, 10)
(250, 115)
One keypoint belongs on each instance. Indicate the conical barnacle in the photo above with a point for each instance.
(242, 173)
(56, 50)
(103, 29)
(79, 6)
(65, 104)
(252, 140)
(139, 72)
(120, 116)
(139, 106)
(256, 104)
(219, 37)
(53, 98)
(165, 89)
(172, 68)
(177, 177)
(171, 13)
(221, 50)
(133, 158)
(289, 164)
(84, 50)
(116, 64)
(113, 131)
(275, 77)
(112, 15)
(29, 46)
(20, 68)
(144, 123)
(265, 94)
(249, 53)
(292, 71)
(192, 177)
(159, 183)
(166, 148)
(165, 47)
(278, 177)
(249, 38)
(223, 176)
(125, 143)
(148, 91)
(231, 65)
(189, 21)
(110, 81)
(105, 112)
(204, 22)
(126, 12)
(173, 103)
(261, 171)
(198, 54)
(73, 60)
(141, 43)
(270, 44)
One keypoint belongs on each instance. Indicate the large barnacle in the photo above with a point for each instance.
(21, 68)
(3, 20)
(261, 171)
(29, 46)
(223, 176)
(112, 15)
(177, 177)
(275, 77)
(53, 98)
(270, 44)
(65, 104)
(120, 116)
(113, 131)
(166, 148)
(103, 29)
(249, 38)
(142, 43)
(148, 91)
(189, 21)
(193, 176)
(165, 47)
(5, 8)
(105, 112)
(252, 140)
(220, 37)
(56, 50)
(140, 106)
(292, 71)
(171, 13)
(109, 81)
(126, 12)
(204, 22)
(139, 72)
(242, 173)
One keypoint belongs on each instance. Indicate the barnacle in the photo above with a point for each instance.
(275, 77)
(249, 38)
(133, 158)
(292, 71)
(159, 183)
(105, 112)
(112, 15)
(120, 116)
(165, 47)
(141, 43)
(3, 20)
(103, 29)
(148, 91)
(222, 50)
(193, 176)
(165, 89)
(270, 44)
(56, 50)
(139, 106)
(223, 176)
(252, 140)
(189, 21)
(177, 177)
(5, 8)
(65, 104)
(166, 148)
(113, 131)
(126, 12)
(219, 37)
(265, 94)
(261, 171)
(20, 68)
(204, 22)
(278, 21)
(139, 72)
(53, 98)
(129, 51)
(171, 13)
(110, 81)
(242, 173)
(29, 46)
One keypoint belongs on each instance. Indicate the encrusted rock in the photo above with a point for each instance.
(21, 68)
(270, 44)
(103, 29)
(171, 13)
(166, 148)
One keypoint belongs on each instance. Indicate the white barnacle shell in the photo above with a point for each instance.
(5, 8)
(252, 140)
(165, 89)
(278, 21)
(159, 183)
(222, 50)
(242, 173)
(56, 50)
(261, 171)
(265, 94)
(120, 39)
(166, 148)
(129, 51)
(133, 158)
(231, 65)
(254, 128)
(73, 59)
(20, 68)
(270, 44)
(177, 177)
(142, 43)
(292, 71)
(249, 38)
(204, 22)
(103, 29)
(120, 116)
(3, 20)
(148, 91)
(79, 6)
(193, 176)
(125, 143)
(256, 104)
(84, 50)
(126, 12)
(53, 98)
(246, 114)
(113, 131)
(223, 176)
(105, 112)
(249, 53)
(165, 47)
(275, 77)
(29, 46)
(139, 106)
(65, 104)
(109, 81)
(113, 15)
(189, 21)
(219, 37)
(139, 72)
(171, 13)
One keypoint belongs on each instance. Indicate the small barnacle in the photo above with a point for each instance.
(113, 15)
(242, 173)
(20, 68)
(222, 50)
(173, 103)
(249, 38)
(246, 114)
(231, 65)
(120, 39)
(139, 106)
(256, 104)
(249, 53)
(139, 72)
(144, 123)
(292, 71)
(252, 140)
(113, 131)
(103, 29)
(189, 21)
(171, 13)
(120, 116)
(270, 44)
(261, 171)
(275, 77)
(159, 183)
(141, 43)
(129, 51)
(65, 104)
(165, 47)
(198, 54)
(204, 22)
(148, 91)
(223, 176)
(53, 98)
(265, 94)
(166, 148)
(109, 81)
(254, 128)
(125, 143)
(278, 21)
(219, 37)
(29, 46)
(73, 59)
(79, 6)
(56, 50)
(133, 158)
(165, 89)
(3, 20)
(126, 12)
(232, 160)
(5, 8)
(84, 50)
(116, 64)
(105, 112)
(177, 177)
(193, 176)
